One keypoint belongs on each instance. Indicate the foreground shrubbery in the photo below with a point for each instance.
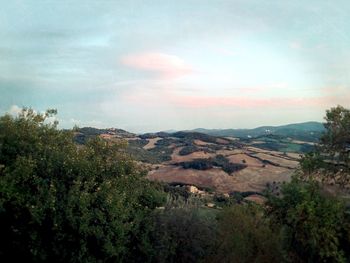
(63, 203)
(315, 226)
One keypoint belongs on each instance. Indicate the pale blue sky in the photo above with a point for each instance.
(157, 65)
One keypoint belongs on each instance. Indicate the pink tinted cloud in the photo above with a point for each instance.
(248, 102)
(167, 66)
(243, 102)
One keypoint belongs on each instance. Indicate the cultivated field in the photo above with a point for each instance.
(220, 164)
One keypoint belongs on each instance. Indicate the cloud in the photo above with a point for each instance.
(167, 66)
(14, 110)
(261, 103)
(238, 102)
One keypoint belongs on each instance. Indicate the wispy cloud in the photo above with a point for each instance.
(14, 110)
(167, 66)
(238, 102)
(320, 102)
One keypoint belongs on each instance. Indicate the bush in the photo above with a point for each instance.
(224, 163)
(316, 227)
(62, 203)
(183, 235)
(245, 235)
(197, 164)
(188, 150)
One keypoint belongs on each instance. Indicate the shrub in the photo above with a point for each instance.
(197, 164)
(245, 235)
(63, 203)
(314, 224)
(183, 235)
(188, 150)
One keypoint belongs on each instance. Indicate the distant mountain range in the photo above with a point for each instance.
(308, 131)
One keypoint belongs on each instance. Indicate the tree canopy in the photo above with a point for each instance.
(330, 162)
(60, 202)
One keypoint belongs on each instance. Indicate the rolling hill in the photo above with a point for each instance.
(307, 131)
(224, 161)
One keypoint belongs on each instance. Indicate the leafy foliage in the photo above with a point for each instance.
(226, 165)
(313, 224)
(59, 202)
(155, 155)
(330, 162)
(198, 164)
(245, 235)
(188, 150)
(219, 160)
(184, 235)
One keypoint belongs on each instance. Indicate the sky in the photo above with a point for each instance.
(157, 65)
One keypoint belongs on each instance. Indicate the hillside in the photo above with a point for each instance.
(215, 160)
(307, 131)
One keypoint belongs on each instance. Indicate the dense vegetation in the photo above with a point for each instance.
(208, 163)
(63, 202)
(330, 162)
(155, 155)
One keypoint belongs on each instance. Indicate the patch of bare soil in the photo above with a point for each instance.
(151, 143)
(106, 136)
(132, 139)
(295, 156)
(248, 179)
(244, 158)
(302, 142)
(256, 199)
(232, 138)
(256, 178)
(176, 157)
(280, 160)
(229, 152)
(222, 141)
(202, 143)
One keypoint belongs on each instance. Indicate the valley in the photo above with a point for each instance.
(220, 164)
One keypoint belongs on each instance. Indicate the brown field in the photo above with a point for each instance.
(302, 142)
(250, 161)
(295, 156)
(254, 177)
(176, 158)
(232, 138)
(222, 141)
(256, 199)
(230, 152)
(133, 139)
(248, 179)
(255, 149)
(151, 143)
(278, 160)
(106, 136)
(202, 143)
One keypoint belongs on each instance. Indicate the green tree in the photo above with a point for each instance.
(63, 203)
(330, 162)
(315, 226)
(245, 235)
(184, 234)
(335, 144)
